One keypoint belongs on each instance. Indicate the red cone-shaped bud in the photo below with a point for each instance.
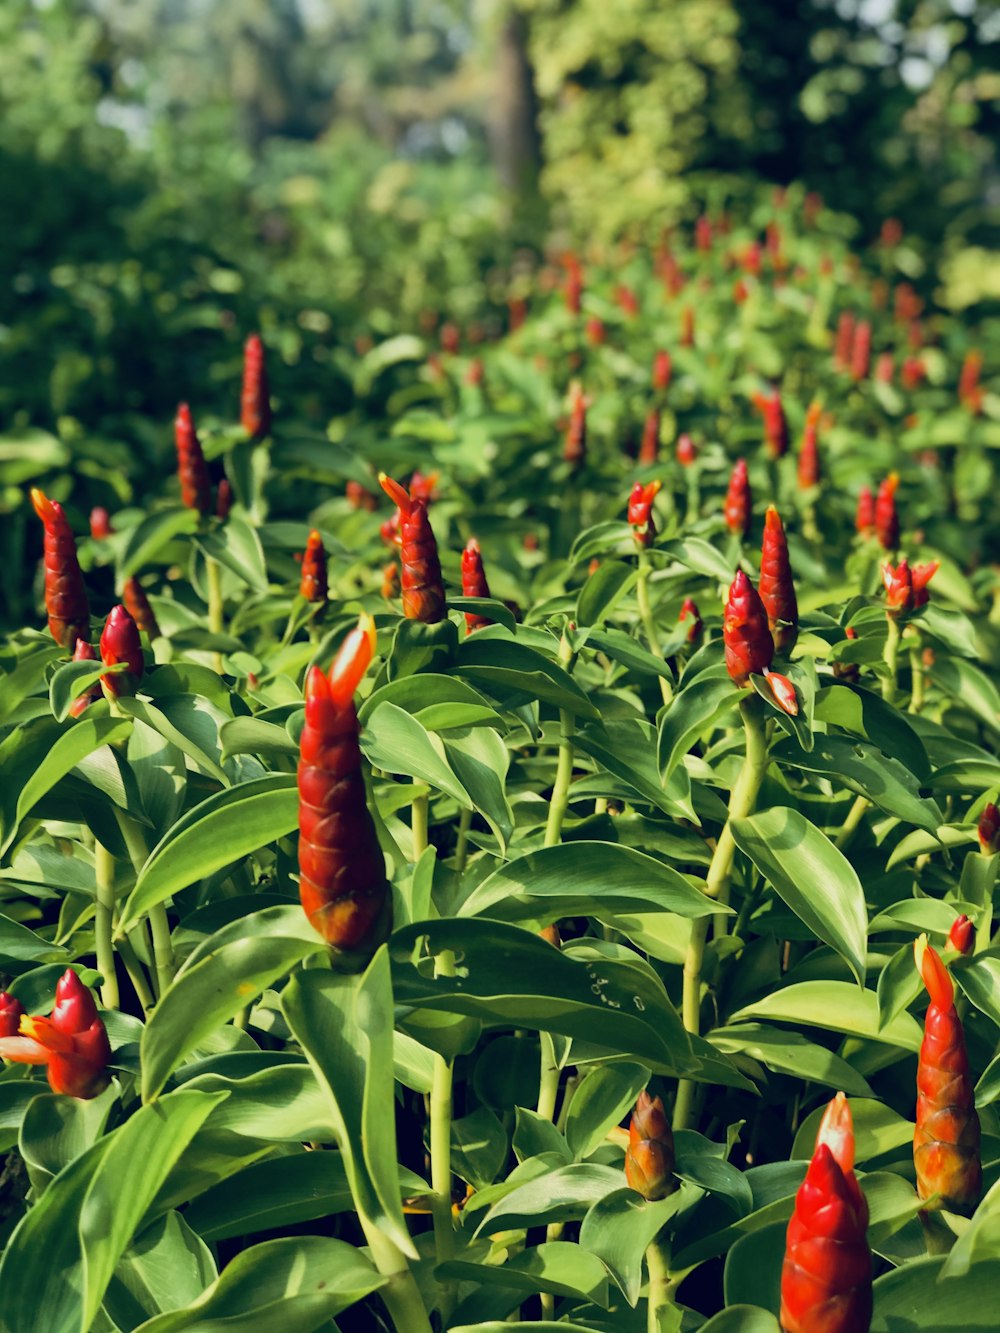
(423, 587)
(65, 595)
(989, 830)
(120, 643)
(573, 290)
(745, 634)
(751, 259)
(82, 1070)
(662, 371)
(962, 936)
(358, 497)
(783, 692)
(223, 499)
(649, 1157)
(891, 233)
(776, 586)
(922, 575)
(10, 1014)
(196, 488)
(864, 520)
(775, 423)
(575, 449)
(451, 338)
(885, 368)
(685, 451)
(861, 351)
(137, 605)
(907, 305)
(703, 234)
(690, 609)
(595, 332)
(649, 449)
(913, 372)
(946, 1140)
(475, 373)
(100, 524)
(970, 394)
(474, 583)
(313, 584)
(738, 505)
(809, 465)
(517, 309)
(687, 327)
(886, 518)
(83, 652)
(898, 588)
(826, 1278)
(844, 341)
(255, 402)
(741, 292)
(640, 510)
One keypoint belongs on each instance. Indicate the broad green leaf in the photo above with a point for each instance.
(275, 1193)
(812, 876)
(700, 556)
(600, 1101)
(877, 1130)
(478, 1147)
(295, 1284)
(158, 721)
(395, 741)
(702, 1162)
(220, 830)
(980, 1239)
(152, 534)
(237, 546)
(249, 735)
(480, 761)
(414, 693)
(519, 674)
(19, 945)
(558, 1196)
(752, 1275)
(603, 590)
(789, 1053)
(620, 1225)
(70, 680)
(166, 1266)
(554, 1266)
(498, 612)
(583, 879)
(979, 979)
(742, 1319)
(836, 1006)
(627, 749)
(622, 648)
(920, 1296)
(692, 712)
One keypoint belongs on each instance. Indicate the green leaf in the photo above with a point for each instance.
(62, 1254)
(165, 1266)
(627, 749)
(836, 1006)
(813, 877)
(157, 720)
(919, 1296)
(789, 1053)
(152, 534)
(583, 879)
(877, 1130)
(555, 1266)
(742, 1319)
(295, 1284)
(979, 979)
(603, 1097)
(220, 830)
(691, 713)
(498, 612)
(275, 1193)
(249, 735)
(395, 741)
(603, 590)
(344, 1025)
(70, 680)
(219, 979)
(752, 1274)
(518, 674)
(618, 1228)
(702, 1162)
(478, 1147)
(622, 648)
(480, 761)
(558, 1196)
(700, 556)
(237, 547)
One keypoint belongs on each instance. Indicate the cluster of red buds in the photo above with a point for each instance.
(575, 448)
(72, 1042)
(772, 410)
(313, 584)
(640, 511)
(120, 644)
(649, 449)
(906, 588)
(650, 1156)
(738, 507)
(65, 595)
(809, 466)
(970, 393)
(474, 583)
(255, 401)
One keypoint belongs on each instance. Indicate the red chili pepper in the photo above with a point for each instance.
(649, 449)
(783, 692)
(72, 1042)
(844, 341)
(739, 500)
(120, 643)
(255, 403)
(640, 511)
(474, 583)
(861, 351)
(775, 422)
(359, 497)
(662, 371)
(970, 393)
(100, 524)
(223, 499)
(776, 586)
(11, 1010)
(65, 594)
(886, 518)
(745, 634)
(826, 1278)
(690, 608)
(423, 588)
(575, 448)
(196, 488)
(685, 452)
(137, 605)
(864, 520)
(650, 1157)
(313, 583)
(83, 652)
(342, 882)
(809, 466)
(962, 936)
(946, 1140)
(989, 830)
(687, 327)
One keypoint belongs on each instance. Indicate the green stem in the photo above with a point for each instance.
(917, 674)
(444, 1228)
(401, 1295)
(216, 616)
(648, 622)
(741, 803)
(854, 817)
(890, 655)
(419, 814)
(938, 1237)
(137, 974)
(104, 912)
(548, 1083)
(462, 841)
(559, 800)
(163, 949)
(660, 1309)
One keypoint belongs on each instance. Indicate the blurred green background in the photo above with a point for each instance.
(176, 172)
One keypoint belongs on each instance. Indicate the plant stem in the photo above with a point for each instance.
(741, 803)
(401, 1295)
(163, 949)
(548, 1083)
(852, 822)
(462, 841)
(559, 799)
(660, 1309)
(419, 811)
(216, 617)
(444, 1229)
(648, 622)
(890, 655)
(917, 674)
(137, 974)
(104, 911)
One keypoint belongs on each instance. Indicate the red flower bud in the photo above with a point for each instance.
(962, 936)
(662, 371)
(100, 524)
(898, 588)
(474, 583)
(741, 292)
(686, 452)
(573, 291)
(423, 587)
(690, 608)
(649, 449)
(864, 520)
(775, 423)
(137, 605)
(809, 467)
(73, 1042)
(196, 489)
(989, 830)
(907, 304)
(649, 1157)
(783, 692)
(575, 449)
(826, 1278)
(596, 333)
(223, 499)
(745, 634)
(83, 652)
(390, 581)
(970, 394)
(120, 643)
(474, 374)
(10, 1014)
(739, 501)
(913, 372)
(886, 518)
(517, 309)
(891, 233)
(687, 327)
(844, 341)
(776, 586)
(703, 234)
(358, 497)
(946, 1139)
(884, 368)
(65, 594)
(255, 403)
(751, 259)
(861, 351)
(313, 584)
(922, 575)
(640, 510)
(450, 337)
